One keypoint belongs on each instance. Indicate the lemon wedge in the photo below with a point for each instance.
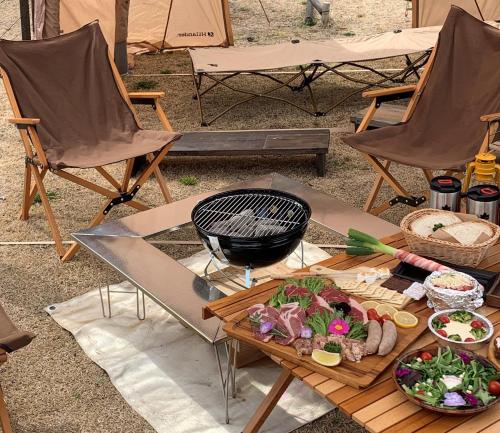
(326, 358)
(386, 309)
(369, 304)
(405, 320)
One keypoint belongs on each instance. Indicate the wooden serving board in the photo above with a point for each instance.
(356, 374)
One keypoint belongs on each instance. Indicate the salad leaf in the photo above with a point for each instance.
(357, 330)
(313, 284)
(319, 322)
(461, 316)
(437, 324)
(485, 396)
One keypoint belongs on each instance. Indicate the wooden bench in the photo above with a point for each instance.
(256, 142)
(386, 115)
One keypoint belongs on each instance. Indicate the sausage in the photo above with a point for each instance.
(374, 337)
(389, 337)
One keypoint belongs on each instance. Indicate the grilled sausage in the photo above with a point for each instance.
(389, 337)
(374, 337)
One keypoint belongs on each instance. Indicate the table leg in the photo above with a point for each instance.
(320, 164)
(268, 404)
(4, 415)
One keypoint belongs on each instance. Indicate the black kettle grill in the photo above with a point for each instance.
(251, 228)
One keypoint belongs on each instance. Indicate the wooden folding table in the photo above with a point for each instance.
(380, 407)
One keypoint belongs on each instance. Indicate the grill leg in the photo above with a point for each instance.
(140, 293)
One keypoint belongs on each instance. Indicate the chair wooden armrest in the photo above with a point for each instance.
(146, 95)
(3, 356)
(410, 88)
(23, 122)
(490, 117)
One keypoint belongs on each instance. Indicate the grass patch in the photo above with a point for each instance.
(349, 33)
(165, 71)
(51, 195)
(188, 180)
(145, 85)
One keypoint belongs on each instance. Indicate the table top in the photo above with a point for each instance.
(381, 407)
(123, 245)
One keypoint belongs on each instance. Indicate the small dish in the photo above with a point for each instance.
(464, 345)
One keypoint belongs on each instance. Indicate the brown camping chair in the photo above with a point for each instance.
(11, 339)
(441, 128)
(73, 111)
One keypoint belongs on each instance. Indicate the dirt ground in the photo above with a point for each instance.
(51, 386)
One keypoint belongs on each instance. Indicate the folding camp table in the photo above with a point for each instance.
(124, 246)
(381, 407)
(314, 59)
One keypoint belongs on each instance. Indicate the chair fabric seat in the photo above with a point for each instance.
(445, 131)
(11, 338)
(121, 147)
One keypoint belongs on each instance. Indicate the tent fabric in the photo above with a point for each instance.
(434, 12)
(152, 23)
(444, 131)
(267, 57)
(178, 23)
(67, 82)
(11, 338)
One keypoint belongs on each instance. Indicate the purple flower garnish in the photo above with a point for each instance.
(471, 399)
(453, 399)
(465, 358)
(266, 327)
(400, 372)
(306, 332)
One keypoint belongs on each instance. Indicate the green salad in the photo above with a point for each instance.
(451, 379)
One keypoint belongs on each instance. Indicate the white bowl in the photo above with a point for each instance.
(465, 345)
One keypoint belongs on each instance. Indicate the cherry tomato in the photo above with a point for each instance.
(476, 324)
(426, 356)
(442, 332)
(421, 392)
(444, 319)
(494, 387)
(372, 314)
(386, 317)
(469, 340)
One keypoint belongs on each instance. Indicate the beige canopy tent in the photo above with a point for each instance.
(434, 12)
(143, 24)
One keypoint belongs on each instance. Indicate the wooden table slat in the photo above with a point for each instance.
(493, 428)
(479, 422)
(373, 410)
(315, 379)
(414, 422)
(392, 416)
(328, 387)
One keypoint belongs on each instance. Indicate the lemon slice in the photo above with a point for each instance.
(326, 358)
(386, 309)
(405, 320)
(369, 304)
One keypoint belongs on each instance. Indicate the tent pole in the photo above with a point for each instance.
(24, 10)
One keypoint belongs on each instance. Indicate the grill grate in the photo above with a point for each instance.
(250, 215)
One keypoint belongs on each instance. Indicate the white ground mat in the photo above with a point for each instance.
(169, 375)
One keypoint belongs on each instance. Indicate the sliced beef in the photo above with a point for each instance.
(293, 290)
(257, 308)
(332, 294)
(303, 346)
(316, 308)
(357, 311)
(262, 337)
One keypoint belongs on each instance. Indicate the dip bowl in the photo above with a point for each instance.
(464, 345)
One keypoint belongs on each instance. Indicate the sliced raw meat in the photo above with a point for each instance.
(293, 290)
(357, 311)
(257, 308)
(316, 308)
(282, 335)
(303, 346)
(262, 337)
(331, 294)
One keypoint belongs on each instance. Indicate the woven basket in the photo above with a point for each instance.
(464, 255)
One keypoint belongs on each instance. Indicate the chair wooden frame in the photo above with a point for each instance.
(382, 167)
(4, 414)
(37, 165)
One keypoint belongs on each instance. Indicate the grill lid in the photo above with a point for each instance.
(253, 213)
